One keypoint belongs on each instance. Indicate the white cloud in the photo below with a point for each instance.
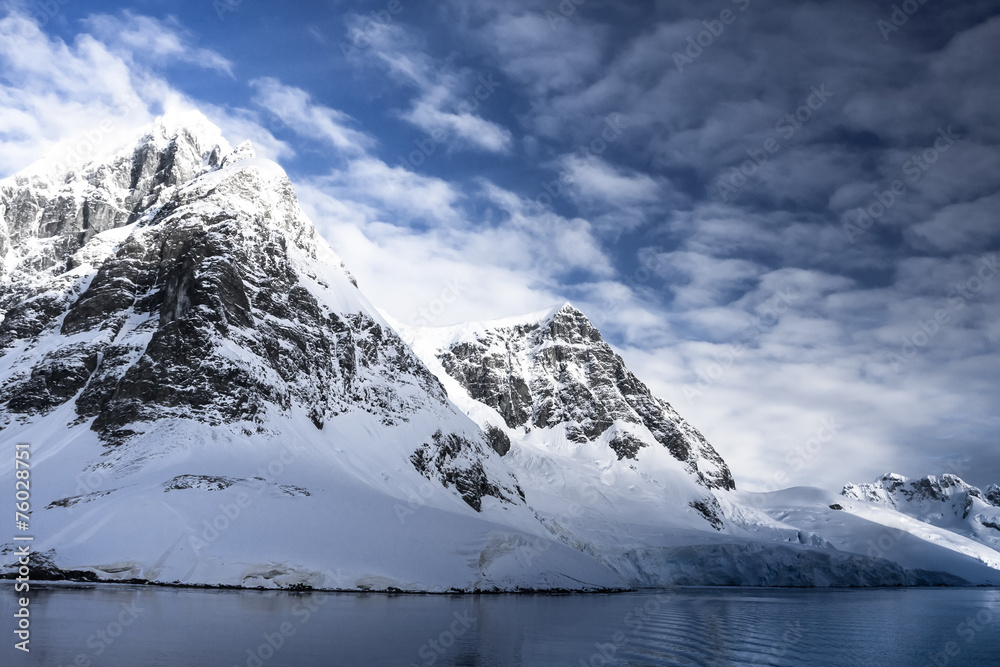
(432, 276)
(54, 94)
(540, 56)
(448, 98)
(296, 108)
(147, 38)
(395, 193)
(408, 237)
(967, 226)
(593, 179)
(700, 280)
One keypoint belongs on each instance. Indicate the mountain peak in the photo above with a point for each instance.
(894, 489)
(566, 308)
(551, 372)
(193, 122)
(244, 151)
(567, 312)
(189, 127)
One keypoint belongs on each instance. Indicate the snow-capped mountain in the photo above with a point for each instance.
(945, 501)
(553, 371)
(210, 399)
(177, 341)
(570, 418)
(617, 473)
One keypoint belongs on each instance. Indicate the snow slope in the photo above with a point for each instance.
(876, 531)
(649, 512)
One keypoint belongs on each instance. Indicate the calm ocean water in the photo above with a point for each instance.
(134, 626)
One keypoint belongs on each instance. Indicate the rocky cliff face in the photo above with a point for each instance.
(558, 371)
(177, 278)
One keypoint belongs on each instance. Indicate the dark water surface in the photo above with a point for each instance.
(134, 626)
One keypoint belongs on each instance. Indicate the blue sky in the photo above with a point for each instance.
(784, 215)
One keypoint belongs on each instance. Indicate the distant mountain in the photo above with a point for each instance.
(944, 501)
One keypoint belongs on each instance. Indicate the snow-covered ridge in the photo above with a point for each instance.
(552, 369)
(946, 501)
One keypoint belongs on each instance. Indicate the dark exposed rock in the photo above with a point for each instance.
(486, 381)
(205, 289)
(626, 445)
(573, 378)
(947, 488)
(206, 308)
(28, 318)
(440, 459)
(204, 482)
(497, 439)
(73, 500)
(54, 380)
(710, 509)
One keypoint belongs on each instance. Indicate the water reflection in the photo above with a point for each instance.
(144, 626)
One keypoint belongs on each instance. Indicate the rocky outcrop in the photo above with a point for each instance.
(442, 459)
(560, 372)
